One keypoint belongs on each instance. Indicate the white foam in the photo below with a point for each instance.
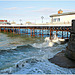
(61, 40)
(47, 39)
(43, 68)
(48, 43)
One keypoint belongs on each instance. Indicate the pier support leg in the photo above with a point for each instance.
(19, 30)
(0, 29)
(56, 32)
(50, 33)
(10, 31)
(42, 31)
(46, 30)
(7, 30)
(67, 34)
(33, 32)
(4, 30)
(62, 34)
(16, 31)
(36, 31)
(25, 30)
(13, 30)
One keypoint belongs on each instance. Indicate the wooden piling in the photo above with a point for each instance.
(50, 32)
(36, 31)
(10, 30)
(0, 29)
(62, 34)
(46, 30)
(7, 30)
(42, 31)
(56, 32)
(4, 30)
(19, 30)
(33, 32)
(13, 30)
(67, 32)
(27, 31)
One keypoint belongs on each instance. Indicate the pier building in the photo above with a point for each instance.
(62, 18)
(4, 22)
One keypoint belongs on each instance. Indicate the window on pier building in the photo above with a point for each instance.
(56, 20)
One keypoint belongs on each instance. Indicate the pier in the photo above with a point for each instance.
(34, 28)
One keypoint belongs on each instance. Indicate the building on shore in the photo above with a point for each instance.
(13, 22)
(29, 23)
(4, 22)
(62, 18)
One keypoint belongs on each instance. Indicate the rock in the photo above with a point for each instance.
(61, 60)
(70, 50)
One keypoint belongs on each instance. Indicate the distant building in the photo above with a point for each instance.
(13, 22)
(62, 17)
(4, 22)
(28, 23)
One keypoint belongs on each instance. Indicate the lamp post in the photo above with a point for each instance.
(42, 18)
(20, 21)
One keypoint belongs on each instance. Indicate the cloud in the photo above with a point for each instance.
(46, 10)
(29, 7)
(17, 8)
(12, 8)
(69, 10)
(37, 0)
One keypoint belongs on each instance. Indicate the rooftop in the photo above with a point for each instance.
(68, 13)
(60, 10)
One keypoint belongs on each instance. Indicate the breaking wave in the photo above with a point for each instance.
(49, 43)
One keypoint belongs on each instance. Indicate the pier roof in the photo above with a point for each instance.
(69, 13)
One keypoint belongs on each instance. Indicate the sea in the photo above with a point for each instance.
(23, 54)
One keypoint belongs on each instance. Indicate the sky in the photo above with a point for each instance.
(33, 10)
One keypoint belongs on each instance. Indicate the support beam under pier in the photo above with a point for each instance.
(0, 29)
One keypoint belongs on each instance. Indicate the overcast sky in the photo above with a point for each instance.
(33, 10)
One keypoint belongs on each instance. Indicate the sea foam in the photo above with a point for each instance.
(49, 43)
